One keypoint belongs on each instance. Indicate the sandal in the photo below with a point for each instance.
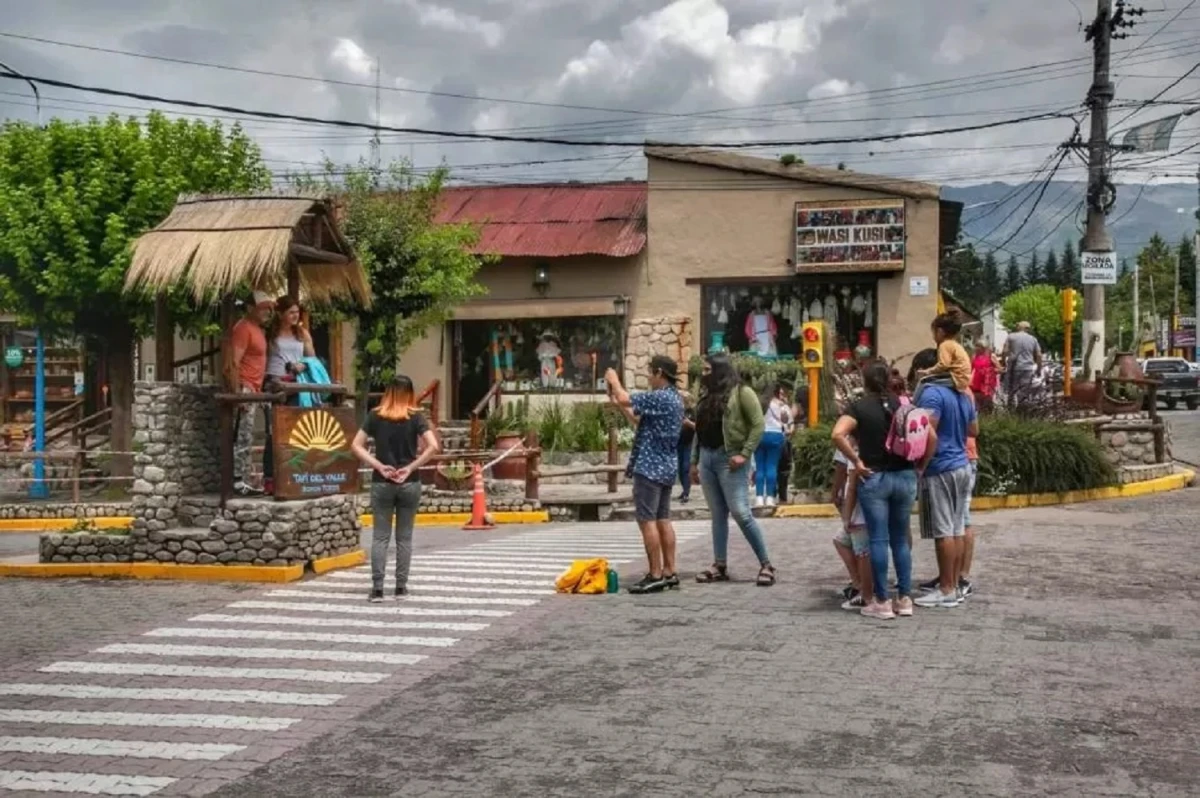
(766, 575)
(713, 573)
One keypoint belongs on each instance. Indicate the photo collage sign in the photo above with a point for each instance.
(849, 236)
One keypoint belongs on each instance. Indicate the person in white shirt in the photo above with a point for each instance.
(778, 417)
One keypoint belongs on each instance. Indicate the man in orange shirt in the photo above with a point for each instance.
(247, 368)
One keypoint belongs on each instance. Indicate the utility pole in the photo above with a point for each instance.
(376, 160)
(1175, 309)
(1099, 257)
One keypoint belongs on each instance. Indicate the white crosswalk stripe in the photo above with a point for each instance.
(83, 783)
(137, 749)
(211, 672)
(171, 694)
(312, 633)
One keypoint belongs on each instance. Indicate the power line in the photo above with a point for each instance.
(460, 134)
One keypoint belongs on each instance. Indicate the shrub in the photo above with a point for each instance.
(812, 458)
(1016, 455)
(759, 373)
(580, 427)
(1025, 456)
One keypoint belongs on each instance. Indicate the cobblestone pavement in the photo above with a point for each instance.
(1185, 434)
(1070, 673)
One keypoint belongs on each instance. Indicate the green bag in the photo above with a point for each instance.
(614, 582)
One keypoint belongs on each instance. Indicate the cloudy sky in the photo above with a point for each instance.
(620, 70)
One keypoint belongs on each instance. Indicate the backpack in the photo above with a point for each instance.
(908, 434)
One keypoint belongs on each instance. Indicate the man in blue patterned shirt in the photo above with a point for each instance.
(653, 463)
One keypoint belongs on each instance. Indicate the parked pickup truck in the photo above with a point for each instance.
(1178, 382)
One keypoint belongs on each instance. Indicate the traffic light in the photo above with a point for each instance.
(813, 339)
(1068, 305)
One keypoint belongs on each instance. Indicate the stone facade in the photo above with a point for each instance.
(68, 510)
(85, 547)
(1128, 440)
(668, 335)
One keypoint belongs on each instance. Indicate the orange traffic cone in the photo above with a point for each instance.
(479, 515)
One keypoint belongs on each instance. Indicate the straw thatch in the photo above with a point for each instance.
(218, 243)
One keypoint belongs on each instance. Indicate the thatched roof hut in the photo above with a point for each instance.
(275, 243)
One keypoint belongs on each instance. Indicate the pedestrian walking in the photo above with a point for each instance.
(985, 376)
(403, 443)
(777, 419)
(887, 488)
(653, 463)
(945, 479)
(1022, 358)
(729, 425)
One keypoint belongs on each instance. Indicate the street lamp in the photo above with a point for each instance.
(541, 278)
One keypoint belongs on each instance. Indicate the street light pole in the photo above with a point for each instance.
(1097, 243)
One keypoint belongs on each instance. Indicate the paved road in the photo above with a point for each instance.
(1071, 673)
(1185, 434)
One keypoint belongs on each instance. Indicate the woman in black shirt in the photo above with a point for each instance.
(399, 432)
(886, 491)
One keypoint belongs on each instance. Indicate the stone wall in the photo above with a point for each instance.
(85, 547)
(668, 335)
(67, 510)
(565, 460)
(1128, 441)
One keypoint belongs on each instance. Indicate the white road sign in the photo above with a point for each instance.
(1099, 268)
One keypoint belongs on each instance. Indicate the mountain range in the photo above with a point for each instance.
(994, 211)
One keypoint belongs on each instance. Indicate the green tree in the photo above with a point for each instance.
(419, 271)
(1156, 268)
(1187, 272)
(1033, 273)
(1041, 306)
(961, 275)
(73, 196)
(1069, 266)
(992, 286)
(1050, 271)
(1013, 279)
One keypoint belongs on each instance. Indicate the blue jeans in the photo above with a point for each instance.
(685, 468)
(887, 499)
(766, 464)
(728, 493)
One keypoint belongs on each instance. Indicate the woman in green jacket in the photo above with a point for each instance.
(729, 425)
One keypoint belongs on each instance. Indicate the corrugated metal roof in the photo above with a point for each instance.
(552, 221)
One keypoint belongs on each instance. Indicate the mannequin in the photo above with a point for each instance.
(549, 355)
(761, 329)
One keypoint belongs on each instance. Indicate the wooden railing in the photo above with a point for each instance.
(533, 470)
(493, 393)
(99, 423)
(432, 394)
(75, 458)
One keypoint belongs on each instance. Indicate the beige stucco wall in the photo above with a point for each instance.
(705, 222)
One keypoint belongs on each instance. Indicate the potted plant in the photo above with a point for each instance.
(510, 431)
(455, 476)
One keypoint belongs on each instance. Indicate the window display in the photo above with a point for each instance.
(765, 319)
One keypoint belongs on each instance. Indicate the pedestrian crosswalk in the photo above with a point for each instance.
(282, 660)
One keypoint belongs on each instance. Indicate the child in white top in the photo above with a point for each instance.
(853, 543)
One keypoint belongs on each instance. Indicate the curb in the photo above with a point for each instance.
(32, 525)
(348, 560)
(145, 570)
(1019, 501)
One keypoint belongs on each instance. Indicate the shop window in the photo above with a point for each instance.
(766, 319)
(574, 351)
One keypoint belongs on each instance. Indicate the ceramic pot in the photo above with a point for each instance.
(513, 466)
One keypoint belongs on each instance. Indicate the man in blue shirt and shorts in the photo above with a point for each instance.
(653, 463)
(945, 490)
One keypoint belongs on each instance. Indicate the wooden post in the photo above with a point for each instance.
(164, 340)
(293, 279)
(533, 464)
(225, 419)
(76, 471)
(612, 458)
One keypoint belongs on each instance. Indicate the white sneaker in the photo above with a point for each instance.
(937, 598)
(758, 501)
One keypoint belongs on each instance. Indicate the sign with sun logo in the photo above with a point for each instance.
(312, 452)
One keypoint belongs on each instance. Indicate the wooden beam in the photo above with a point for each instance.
(293, 278)
(164, 340)
(319, 255)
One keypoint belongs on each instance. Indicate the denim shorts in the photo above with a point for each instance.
(856, 539)
(651, 500)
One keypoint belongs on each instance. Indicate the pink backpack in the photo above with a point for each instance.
(908, 436)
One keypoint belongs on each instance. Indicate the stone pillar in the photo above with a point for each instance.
(668, 335)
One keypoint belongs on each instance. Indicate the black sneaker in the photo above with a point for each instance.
(400, 592)
(376, 596)
(966, 587)
(684, 499)
(671, 581)
(931, 585)
(848, 592)
(649, 584)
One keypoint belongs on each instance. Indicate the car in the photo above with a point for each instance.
(1177, 381)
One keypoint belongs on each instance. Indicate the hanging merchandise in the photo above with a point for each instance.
(816, 311)
(713, 310)
(776, 308)
(858, 305)
(869, 318)
(722, 317)
(831, 310)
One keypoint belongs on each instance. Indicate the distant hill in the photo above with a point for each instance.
(1167, 209)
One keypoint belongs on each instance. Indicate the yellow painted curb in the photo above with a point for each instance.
(28, 525)
(1019, 501)
(147, 570)
(347, 560)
